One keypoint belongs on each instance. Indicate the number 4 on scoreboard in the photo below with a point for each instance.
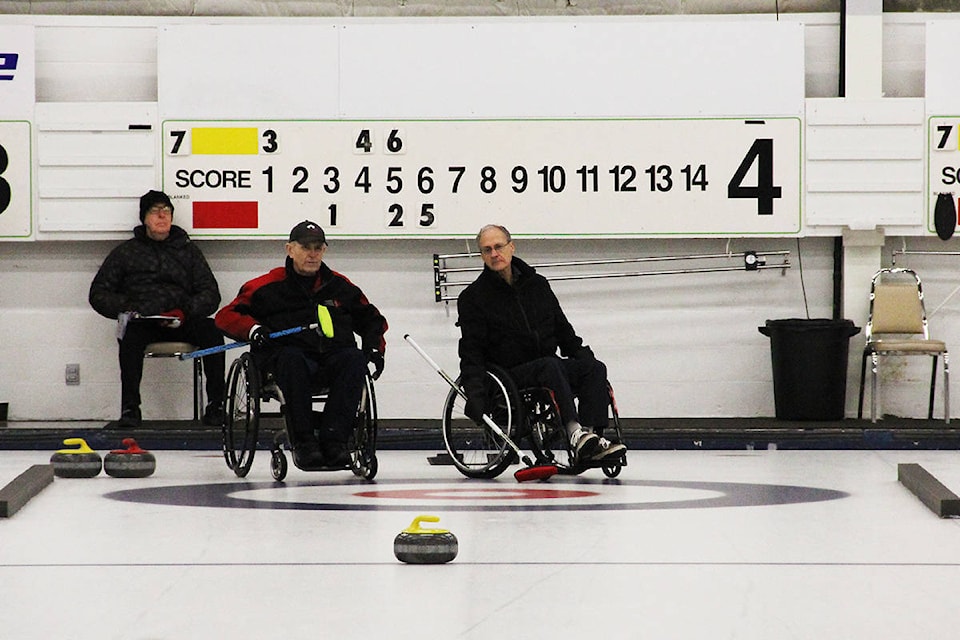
(765, 191)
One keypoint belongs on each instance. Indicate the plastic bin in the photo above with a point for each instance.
(809, 367)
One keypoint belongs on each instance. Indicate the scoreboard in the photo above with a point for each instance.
(607, 177)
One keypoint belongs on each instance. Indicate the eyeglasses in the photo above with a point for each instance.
(497, 247)
(160, 208)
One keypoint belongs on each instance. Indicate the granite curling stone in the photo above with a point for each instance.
(132, 462)
(415, 545)
(81, 462)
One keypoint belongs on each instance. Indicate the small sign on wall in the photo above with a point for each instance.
(17, 72)
(17, 96)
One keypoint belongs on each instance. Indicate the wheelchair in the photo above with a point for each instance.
(247, 388)
(523, 414)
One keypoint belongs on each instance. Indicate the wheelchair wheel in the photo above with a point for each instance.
(242, 418)
(614, 469)
(548, 437)
(476, 451)
(364, 445)
(278, 465)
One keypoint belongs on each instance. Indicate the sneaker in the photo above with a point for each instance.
(608, 451)
(213, 415)
(584, 443)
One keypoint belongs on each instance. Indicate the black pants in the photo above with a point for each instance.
(569, 379)
(201, 333)
(300, 373)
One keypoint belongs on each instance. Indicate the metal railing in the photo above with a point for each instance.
(747, 261)
(905, 252)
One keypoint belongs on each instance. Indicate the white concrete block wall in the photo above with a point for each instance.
(676, 345)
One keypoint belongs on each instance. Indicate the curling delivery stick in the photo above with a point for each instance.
(532, 471)
(200, 353)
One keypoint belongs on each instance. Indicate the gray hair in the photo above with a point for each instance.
(488, 227)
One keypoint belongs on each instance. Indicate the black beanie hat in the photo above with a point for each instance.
(152, 198)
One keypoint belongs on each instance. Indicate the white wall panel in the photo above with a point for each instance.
(97, 159)
(564, 68)
(248, 71)
(103, 62)
(864, 162)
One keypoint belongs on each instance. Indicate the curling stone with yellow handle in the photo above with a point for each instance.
(415, 545)
(81, 462)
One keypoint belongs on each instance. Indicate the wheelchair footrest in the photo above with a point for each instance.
(443, 459)
(324, 467)
(620, 461)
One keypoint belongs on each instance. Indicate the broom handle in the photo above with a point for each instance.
(200, 353)
(486, 418)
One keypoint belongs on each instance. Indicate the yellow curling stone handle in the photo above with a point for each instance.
(415, 525)
(82, 448)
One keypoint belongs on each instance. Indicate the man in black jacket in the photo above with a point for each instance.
(294, 295)
(159, 272)
(509, 316)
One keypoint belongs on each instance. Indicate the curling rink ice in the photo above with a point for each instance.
(683, 544)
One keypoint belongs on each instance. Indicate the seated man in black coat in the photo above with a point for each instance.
(509, 316)
(159, 272)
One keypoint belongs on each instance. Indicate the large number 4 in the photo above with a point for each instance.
(765, 192)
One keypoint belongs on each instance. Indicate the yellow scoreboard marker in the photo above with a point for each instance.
(233, 141)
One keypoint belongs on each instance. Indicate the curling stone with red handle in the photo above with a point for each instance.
(132, 462)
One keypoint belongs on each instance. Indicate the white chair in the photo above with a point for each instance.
(897, 326)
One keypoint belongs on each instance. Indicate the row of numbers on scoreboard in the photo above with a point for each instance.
(621, 178)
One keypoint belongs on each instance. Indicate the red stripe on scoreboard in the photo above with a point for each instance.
(225, 215)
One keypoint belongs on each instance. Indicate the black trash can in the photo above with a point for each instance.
(809, 367)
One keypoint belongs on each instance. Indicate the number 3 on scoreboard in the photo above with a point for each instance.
(765, 191)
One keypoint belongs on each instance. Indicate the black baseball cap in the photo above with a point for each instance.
(307, 231)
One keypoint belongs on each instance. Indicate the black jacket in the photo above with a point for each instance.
(152, 277)
(508, 325)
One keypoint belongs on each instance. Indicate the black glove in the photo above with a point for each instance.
(260, 336)
(375, 358)
(477, 399)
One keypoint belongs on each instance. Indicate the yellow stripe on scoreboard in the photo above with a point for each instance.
(224, 141)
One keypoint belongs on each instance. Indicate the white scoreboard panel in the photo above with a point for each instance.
(943, 173)
(446, 178)
(16, 190)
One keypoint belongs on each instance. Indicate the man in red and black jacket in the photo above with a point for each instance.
(294, 295)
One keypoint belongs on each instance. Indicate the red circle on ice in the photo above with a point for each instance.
(477, 494)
